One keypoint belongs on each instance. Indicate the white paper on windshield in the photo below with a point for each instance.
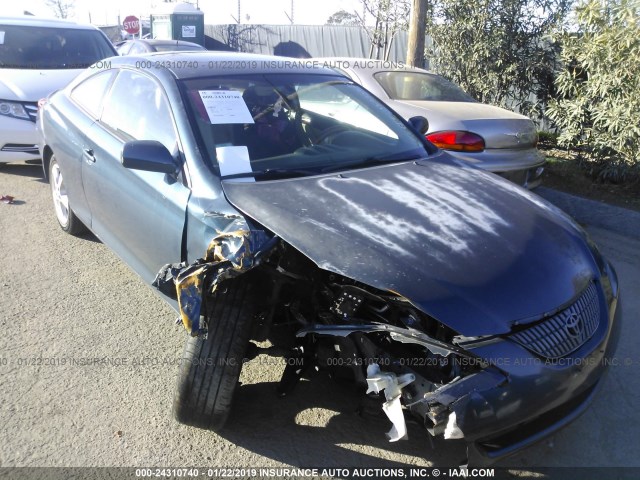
(1, 38)
(233, 160)
(225, 106)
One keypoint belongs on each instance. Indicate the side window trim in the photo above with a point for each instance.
(119, 132)
(124, 136)
(95, 115)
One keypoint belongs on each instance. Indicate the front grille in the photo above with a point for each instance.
(565, 332)
(31, 109)
(534, 426)
(20, 148)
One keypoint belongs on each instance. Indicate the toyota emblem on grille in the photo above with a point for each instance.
(574, 326)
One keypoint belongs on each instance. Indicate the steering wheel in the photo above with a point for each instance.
(332, 132)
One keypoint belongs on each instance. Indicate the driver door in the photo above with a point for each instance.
(140, 215)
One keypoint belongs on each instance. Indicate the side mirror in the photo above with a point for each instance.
(148, 155)
(419, 124)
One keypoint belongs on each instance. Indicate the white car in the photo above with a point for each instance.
(37, 57)
(484, 135)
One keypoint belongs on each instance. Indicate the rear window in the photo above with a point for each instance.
(401, 85)
(43, 48)
(172, 47)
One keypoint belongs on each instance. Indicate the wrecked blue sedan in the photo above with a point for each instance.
(272, 199)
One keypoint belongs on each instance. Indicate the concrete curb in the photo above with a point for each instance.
(593, 213)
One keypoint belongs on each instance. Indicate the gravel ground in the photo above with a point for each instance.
(88, 360)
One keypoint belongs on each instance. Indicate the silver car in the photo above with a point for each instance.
(37, 57)
(490, 137)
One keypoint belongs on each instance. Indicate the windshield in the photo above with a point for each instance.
(296, 123)
(40, 48)
(421, 86)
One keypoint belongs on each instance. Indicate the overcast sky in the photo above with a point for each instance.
(305, 12)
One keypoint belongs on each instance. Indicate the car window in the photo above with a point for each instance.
(124, 48)
(295, 122)
(138, 109)
(329, 101)
(39, 48)
(90, 93)
(406, 85)
(138, 47)
(168, 47)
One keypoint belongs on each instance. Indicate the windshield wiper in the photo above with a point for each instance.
(302, 172)
(272, 172)
(376, 160)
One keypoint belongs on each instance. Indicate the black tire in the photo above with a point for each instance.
(65, 216)
(210, 369)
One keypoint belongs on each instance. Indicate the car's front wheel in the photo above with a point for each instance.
(66, 218)
(210, 368)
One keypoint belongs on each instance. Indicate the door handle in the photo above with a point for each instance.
(89, 157)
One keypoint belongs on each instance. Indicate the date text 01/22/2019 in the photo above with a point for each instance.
(285, 472)
(219, 65)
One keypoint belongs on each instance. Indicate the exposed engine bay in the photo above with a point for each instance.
(401, 358)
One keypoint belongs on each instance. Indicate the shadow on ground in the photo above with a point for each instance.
(300, 431)
(33, 170)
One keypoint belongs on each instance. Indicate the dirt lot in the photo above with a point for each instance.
(88, 359)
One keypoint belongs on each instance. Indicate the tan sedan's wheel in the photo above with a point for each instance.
(66, 218)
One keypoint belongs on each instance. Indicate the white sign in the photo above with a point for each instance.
(1, 38)
(225, 106)
(188, 31)
(233, 160)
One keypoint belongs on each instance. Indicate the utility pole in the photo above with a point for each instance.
(417, 30)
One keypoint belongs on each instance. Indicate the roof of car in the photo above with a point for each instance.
(155, 41)
(207, 63)
(30, 21)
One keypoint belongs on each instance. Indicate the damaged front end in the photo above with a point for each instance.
(229, 254)
(403, 360)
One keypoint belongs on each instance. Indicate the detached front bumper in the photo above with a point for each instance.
(540, 397)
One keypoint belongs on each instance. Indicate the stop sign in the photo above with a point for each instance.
(131, 24)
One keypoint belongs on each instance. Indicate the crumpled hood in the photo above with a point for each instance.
(468, 248)
(32, 85)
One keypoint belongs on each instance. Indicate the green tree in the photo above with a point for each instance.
(598, 105)
(498, 50)
(342, 17)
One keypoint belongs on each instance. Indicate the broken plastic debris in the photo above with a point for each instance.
(392, 386)
(6, 199)
(452, 431)
(393, 409)
(228, 254)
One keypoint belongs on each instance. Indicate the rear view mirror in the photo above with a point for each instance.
(148, 155)
(420, 124)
